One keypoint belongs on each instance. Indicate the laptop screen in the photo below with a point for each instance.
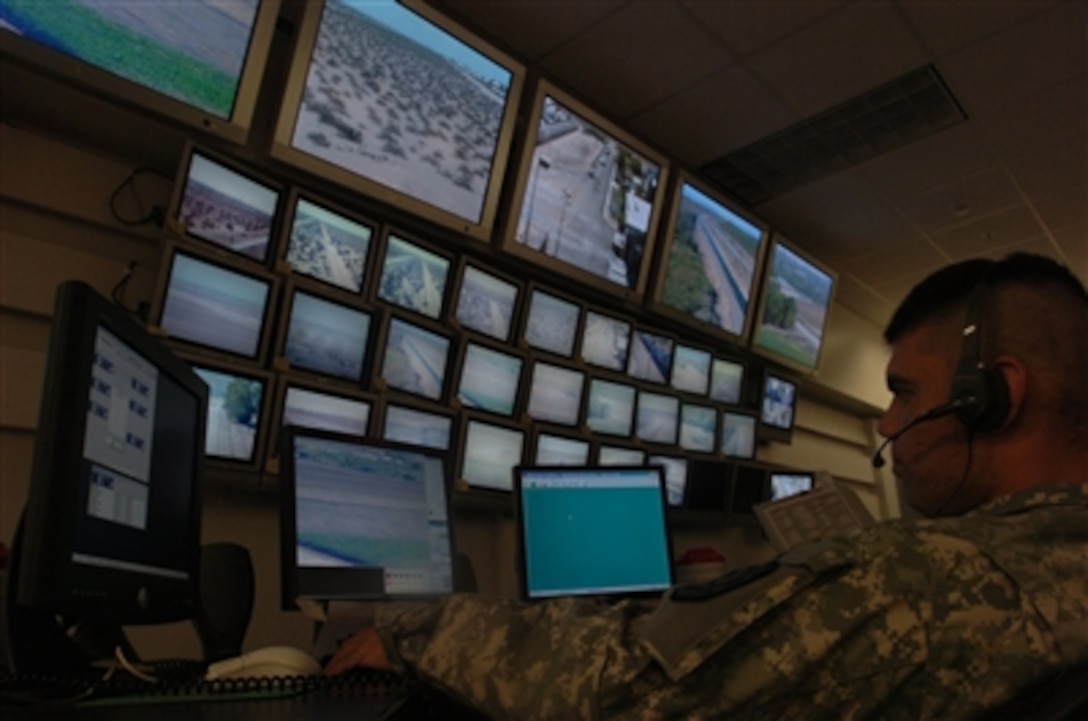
(362, 519)
(592, 531)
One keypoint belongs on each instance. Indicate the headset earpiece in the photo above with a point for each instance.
(981, 394)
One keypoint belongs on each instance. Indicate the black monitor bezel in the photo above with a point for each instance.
(228, 262)
(776, 432)
(527, 317)
(348, 302)
(736, 412)
(392, 234)
(93, 80)
(298, 194)
(282, 147)
(760, 347)
(466, 346)
(523, 581)
(521, 187)
(420, 406)
(48, 580)
(464, 264)
(656, 301)
(468, 419)
(257, 459)
(529, 384)
(288, 381)
(381, 383)
(289, 580)
(175, 226)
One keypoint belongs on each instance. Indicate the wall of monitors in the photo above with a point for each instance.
(685, 330)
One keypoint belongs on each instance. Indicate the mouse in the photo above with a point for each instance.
(267, 662)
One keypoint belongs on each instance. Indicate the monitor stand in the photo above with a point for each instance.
(39, 642)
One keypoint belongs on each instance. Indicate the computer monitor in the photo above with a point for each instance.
(790, 483)
(592, 531)
(110, 533)
(362, 519)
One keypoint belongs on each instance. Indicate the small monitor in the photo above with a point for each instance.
(698, 428)
(489, 453)
(215, 304)
(750, 487)
(415, 359)
(486, 301)
(727, 381)
(413, 277)
(738, 434)
(795, 302)
(394, 101)
(587, 198)
(551, 323)
(690, 369)
(790, 483)
(605, 341)
(778, 407)
(326, 337)
(650, 358)
(620, 456)
(195, 64)
(238, 403)
(676, 476)
(221, 202)
(489, 378)
(555, 393)
(430, 427)
(592, 532)
(110, 534)
(363, 519)
(327, 243)
(709, 264)
(553, 449)
(709, 485)
(323, 407)
(610, 407)
(657, 419)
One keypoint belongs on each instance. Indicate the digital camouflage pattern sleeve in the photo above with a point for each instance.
(915, 620)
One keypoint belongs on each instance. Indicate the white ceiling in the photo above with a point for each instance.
(700, 78)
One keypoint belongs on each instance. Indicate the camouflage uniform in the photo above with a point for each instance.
(933, 619)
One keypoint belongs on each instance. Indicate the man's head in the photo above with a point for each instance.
(1017, 403)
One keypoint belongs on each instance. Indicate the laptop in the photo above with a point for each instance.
(592, 531)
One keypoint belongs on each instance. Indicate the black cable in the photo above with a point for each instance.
(153, 214)
(117, 294)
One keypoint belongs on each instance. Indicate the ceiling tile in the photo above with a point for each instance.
(1054, 169)
(750, 26)
(532, 28)
(948, 26)
(713, 117)
(955, 203)
(1059, 112)
(853, 50)
(1014, 225)
(645, 52)
(929, 163)
(1020, 60)
(894, 262)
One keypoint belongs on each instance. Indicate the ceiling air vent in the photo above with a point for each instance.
(906, 109)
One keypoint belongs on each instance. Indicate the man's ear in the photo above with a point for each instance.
(1012, 373)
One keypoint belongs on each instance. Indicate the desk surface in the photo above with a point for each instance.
(296, 708)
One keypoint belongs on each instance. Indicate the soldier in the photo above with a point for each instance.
(941, 618)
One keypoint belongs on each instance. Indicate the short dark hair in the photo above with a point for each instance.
(948, 288)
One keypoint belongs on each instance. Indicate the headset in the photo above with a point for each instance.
(979, 394)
